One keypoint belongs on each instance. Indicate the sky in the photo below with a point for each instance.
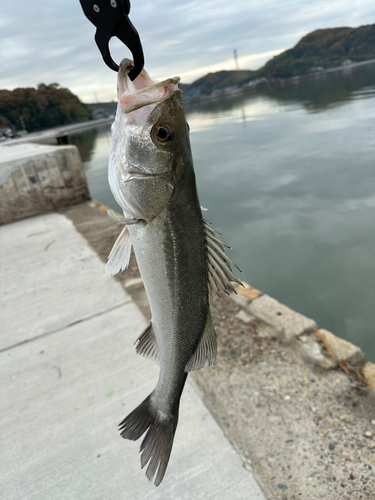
(53, 41)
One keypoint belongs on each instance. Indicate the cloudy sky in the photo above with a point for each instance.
(52, 41)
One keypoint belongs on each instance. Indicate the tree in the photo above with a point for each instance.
(46, 106)
(326, 48)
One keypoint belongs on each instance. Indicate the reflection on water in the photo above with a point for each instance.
(94, 148)
(317, 94)
(288, 177)
(329, 90)
(85, 142)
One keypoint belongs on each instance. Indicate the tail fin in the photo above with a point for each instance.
(156, 447)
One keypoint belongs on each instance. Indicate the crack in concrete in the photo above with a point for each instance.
(69, 325)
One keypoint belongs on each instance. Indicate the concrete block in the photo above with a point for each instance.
(241, 300)
(286, 322)
(311, 350)
(368, 371)
(36, 179)
(341, 349)
(247, 291)
(244, 316)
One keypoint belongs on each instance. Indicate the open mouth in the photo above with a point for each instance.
(143, 91)
(130, 176)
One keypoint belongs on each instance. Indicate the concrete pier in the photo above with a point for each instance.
(276, 417)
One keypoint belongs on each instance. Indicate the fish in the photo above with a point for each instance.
(180, 257)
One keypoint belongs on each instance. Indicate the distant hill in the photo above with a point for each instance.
(322, 49)
(216, 81)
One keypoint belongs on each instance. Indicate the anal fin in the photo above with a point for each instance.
(206, 349)
(147, 344)
(118, 259)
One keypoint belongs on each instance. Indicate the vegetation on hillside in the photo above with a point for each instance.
(216, 81)
(324, 48)
(46, 106)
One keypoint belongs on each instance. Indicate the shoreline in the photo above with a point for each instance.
(275, 82)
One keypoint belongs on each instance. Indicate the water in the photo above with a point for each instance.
(289, 180)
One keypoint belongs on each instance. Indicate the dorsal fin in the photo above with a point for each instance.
(220, 274)
(147, 344)
(206, 349)
(118, 259)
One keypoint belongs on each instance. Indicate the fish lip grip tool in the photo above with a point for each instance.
(111, 18)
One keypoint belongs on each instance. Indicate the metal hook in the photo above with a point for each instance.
(111, 19)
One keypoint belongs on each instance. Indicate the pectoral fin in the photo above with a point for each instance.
(119, 219)
(118, 259)
(206, 349)
(220, 274)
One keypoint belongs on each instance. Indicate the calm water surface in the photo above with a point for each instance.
(288, 176)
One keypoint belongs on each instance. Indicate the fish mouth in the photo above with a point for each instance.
(132, 175)
(143, 92)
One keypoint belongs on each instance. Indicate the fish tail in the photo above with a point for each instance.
(156, 446)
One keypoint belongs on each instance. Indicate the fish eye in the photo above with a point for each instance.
(163, 134)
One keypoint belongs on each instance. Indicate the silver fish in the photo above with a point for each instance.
(180, 258)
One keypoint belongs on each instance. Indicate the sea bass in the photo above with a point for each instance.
(180, 258)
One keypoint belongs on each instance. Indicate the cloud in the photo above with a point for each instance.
(244, 62)
(54, 42)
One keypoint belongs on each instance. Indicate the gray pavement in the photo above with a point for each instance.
(69, 374)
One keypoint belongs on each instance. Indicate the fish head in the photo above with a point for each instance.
(150, 144)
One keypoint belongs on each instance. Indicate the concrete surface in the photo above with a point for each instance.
(286, 322)
(51, 276)
(69, 374)
(36, 179)
(305, 427)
